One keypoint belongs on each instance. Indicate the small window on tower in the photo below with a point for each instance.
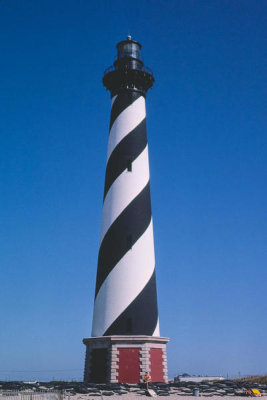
(129, 242)
(129, 165)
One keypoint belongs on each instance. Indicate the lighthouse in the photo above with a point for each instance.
(125, 341)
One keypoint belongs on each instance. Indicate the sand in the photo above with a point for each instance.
(132, 396)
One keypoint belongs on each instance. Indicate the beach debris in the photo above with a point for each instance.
(151, 393)
(256, 392)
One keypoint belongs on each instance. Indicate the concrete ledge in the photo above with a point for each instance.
(127, 339)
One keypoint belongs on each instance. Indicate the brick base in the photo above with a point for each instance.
(112, 363)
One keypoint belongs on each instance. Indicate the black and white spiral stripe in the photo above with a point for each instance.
(125, 296)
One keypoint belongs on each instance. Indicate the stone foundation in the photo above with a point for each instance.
(116, 359)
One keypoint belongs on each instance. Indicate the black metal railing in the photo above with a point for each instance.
(125, 67)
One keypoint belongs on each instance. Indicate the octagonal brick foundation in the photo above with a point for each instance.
(113, 359)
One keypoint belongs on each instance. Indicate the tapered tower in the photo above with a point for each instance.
(125, 340)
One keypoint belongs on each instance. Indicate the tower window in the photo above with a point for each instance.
(129, 165)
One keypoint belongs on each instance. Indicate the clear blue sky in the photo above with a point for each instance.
(207, 143)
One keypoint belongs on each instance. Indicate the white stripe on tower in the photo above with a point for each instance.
(124, 190)
(118, 291)
(126, 122)
(156, 331)
(113, 99)
(125, 301)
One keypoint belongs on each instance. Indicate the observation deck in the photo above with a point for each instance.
(128, 71)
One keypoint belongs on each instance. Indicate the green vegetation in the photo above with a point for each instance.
(253, 378)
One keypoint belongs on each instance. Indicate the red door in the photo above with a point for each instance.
(129, 365)
(156, 366)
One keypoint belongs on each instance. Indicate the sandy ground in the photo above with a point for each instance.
(132, 396)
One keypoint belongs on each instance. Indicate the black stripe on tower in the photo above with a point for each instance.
(124, 100)
(140, 316)
(133, 221)
(129, 148)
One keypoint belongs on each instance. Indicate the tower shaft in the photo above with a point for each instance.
(125, 295)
